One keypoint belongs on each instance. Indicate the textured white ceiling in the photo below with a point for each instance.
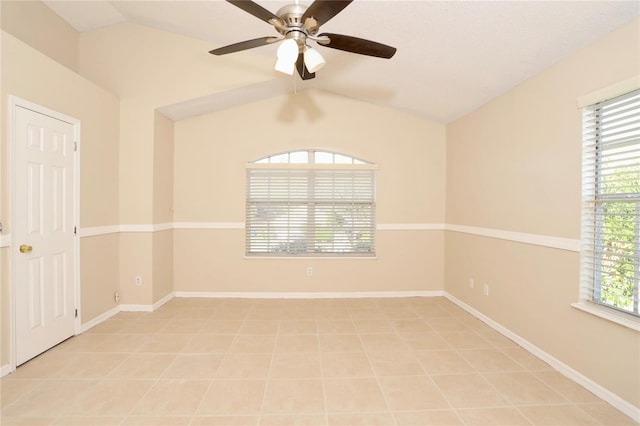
(453, 56)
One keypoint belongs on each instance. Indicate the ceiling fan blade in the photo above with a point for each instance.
(357, 45)
(255, 10)
(244, 45)
(302, 69)
(323, 10)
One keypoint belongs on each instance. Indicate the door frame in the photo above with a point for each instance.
(14, 103)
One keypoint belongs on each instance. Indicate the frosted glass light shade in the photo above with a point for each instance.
(287, 56)
(313, 60)
(288, 50)
(285, 66)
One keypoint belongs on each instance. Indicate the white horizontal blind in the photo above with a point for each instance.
(611, 203)
(314, 211)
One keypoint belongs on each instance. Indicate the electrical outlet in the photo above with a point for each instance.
(485, 289)
(116, 296)
(309, 271)
(138, 280)
(471, 283)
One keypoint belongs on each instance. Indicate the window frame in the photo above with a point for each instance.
(595, 200)
(318, 168)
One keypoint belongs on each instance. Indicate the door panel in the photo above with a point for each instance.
(34, 194)
(36, 290)
(44, 255)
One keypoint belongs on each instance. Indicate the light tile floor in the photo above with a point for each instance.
(373, 362)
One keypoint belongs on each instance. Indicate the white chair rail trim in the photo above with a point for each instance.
(560, 243)
(569, 244)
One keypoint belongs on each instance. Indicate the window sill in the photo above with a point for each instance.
(310, 258)
(604, 313)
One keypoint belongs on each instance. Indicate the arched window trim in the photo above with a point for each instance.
(313, 156)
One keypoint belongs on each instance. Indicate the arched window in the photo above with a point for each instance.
(310, 203)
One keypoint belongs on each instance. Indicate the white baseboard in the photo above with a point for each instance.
(136, 308)
(252, 295)
(308, 295)
(100, 318)
(5, 240)
(5, 369)
(162, 301)
(597, 389)
(124, 308)
(147, 308)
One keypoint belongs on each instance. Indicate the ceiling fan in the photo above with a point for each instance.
(297, 24)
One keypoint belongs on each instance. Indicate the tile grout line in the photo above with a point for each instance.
(322, 377)
(510, 404)
(206, 392)
(435, 385)
(377, 377)
(268, 377)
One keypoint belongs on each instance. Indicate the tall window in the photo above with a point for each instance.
(310, 203)
(611, 203)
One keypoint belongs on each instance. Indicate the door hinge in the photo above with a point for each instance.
(76, 313)
(75, 230)
(75, 145)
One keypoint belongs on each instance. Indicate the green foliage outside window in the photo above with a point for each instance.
(620, 239)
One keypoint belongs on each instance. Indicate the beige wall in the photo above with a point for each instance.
(162, 268)
(99, 266)
(136, 162)
(515, 165)
(211, 152)
(162, 68)
(30, 75)
(162, 169)
(148, 69)
(38, 26)
(5, 327)
(146, 198)
(163, 206)
(135, 252)
(209, 166)
(136, 200)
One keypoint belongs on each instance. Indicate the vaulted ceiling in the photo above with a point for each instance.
(453, 56)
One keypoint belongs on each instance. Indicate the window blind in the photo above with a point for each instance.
(310, 211)
(611, 203)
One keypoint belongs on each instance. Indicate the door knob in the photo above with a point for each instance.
(25, 248)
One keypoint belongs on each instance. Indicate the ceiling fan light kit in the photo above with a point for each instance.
(287, 55)
(313, 59)
(298, 23)
(285, 67)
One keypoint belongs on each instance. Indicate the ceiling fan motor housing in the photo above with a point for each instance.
(293, 27)
(291, 14)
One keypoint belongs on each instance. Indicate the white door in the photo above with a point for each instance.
(43, 249)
